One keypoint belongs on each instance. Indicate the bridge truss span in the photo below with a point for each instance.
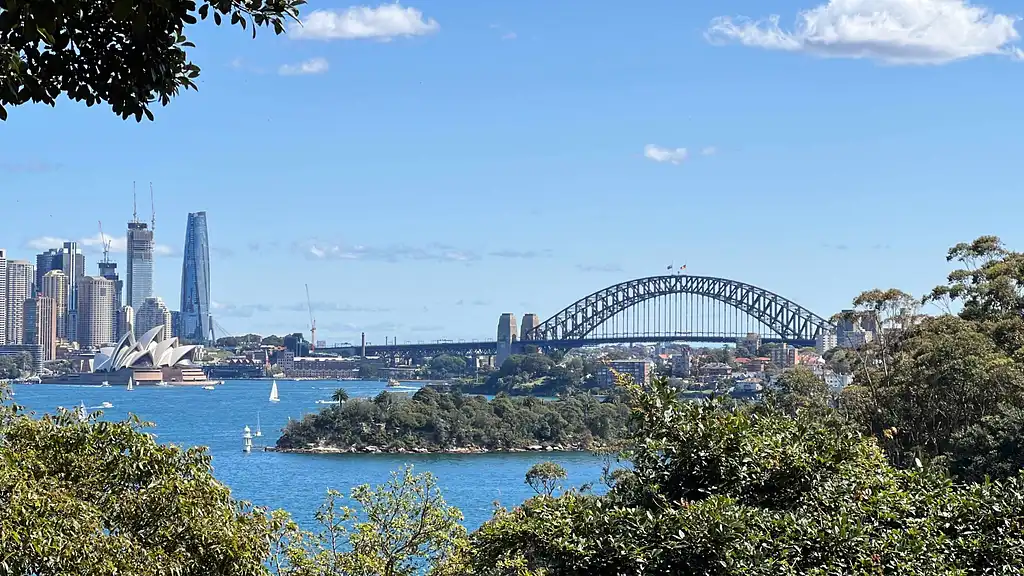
(682, 307)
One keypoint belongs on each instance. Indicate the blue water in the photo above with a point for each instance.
(189, 416)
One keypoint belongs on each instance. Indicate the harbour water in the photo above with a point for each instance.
(191, 416)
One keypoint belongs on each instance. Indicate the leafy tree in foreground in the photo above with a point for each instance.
(720, 490)
(401, 527)
(129, 54)
(544, 477)
(101, 497)
(929, 383)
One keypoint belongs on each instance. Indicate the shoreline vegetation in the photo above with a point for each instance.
(432, 422)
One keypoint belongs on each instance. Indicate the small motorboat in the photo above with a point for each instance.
(209, 387)
(392, 383)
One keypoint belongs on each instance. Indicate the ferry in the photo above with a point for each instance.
(392, 383)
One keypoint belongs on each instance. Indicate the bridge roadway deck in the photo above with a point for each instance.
(491, 347)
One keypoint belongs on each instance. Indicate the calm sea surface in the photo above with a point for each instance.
(297, 482)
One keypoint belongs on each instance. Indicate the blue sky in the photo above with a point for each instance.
(427, 166)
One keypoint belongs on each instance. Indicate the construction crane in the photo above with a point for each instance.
(105, 243)
(312, 322)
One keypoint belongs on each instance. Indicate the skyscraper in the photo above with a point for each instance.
(72, 263)
(41, 325)
(151, 314)
(55, 286)
(3, 296)
(96, 311)
(49, 260)
(108, 270)
(195, 281)
(20, 277)
(140, 264)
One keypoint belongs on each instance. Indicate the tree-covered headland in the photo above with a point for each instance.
(432, 421)
(915, 470)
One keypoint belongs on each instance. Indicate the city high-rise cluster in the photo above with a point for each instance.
(54, 303)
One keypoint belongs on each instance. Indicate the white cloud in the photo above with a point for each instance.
(509, 36)
(93, 244)
(659, 154)
(311, 66)
(384, 22)
(891, 31)
(708, 151)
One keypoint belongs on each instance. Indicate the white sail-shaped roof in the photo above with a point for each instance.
(150, 351)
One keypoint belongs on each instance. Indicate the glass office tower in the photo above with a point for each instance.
(195, 320)
(140, 264)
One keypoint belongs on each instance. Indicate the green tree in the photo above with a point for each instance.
(799, 388)
(128, 54)
(99, 497)
(445, 365)
(369, 371)
(723, 489)
(399, 527)
(9, 368)
(272, 340)
(926, 380)
(543, 477)
(991, 448)
(340, 395)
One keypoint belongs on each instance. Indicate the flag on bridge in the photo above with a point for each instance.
(670, 266)
(683, 267)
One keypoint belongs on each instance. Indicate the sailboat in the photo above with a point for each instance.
(258, 431)
(130, 383)
(273, 392)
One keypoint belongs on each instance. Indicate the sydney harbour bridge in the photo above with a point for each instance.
(673, 308)
(657, 309)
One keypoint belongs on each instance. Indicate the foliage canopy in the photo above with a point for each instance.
(129, 54)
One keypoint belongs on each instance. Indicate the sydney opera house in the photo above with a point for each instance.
(147, 360)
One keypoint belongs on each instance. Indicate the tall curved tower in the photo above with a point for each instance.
(195, 281)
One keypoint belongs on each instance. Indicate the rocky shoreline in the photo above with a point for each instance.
(455, 450)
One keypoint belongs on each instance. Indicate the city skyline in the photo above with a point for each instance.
(426, 185)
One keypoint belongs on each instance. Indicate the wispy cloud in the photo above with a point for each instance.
(331, 307)
(238, 310)
(509, 36)
(94, 244)
(599, 268)
(377, 329)
(662, 154)
(897, 32)
(317, 250)
(311, 66)
(674, 155)
(29, 167)
(521, 254)
(473, 303)
(240, 64)
(384, 22)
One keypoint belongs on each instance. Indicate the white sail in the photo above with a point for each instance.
(258, 431)
(129, 382)
(273, 392)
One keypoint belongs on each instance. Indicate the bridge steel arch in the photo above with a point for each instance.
(790, 321)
